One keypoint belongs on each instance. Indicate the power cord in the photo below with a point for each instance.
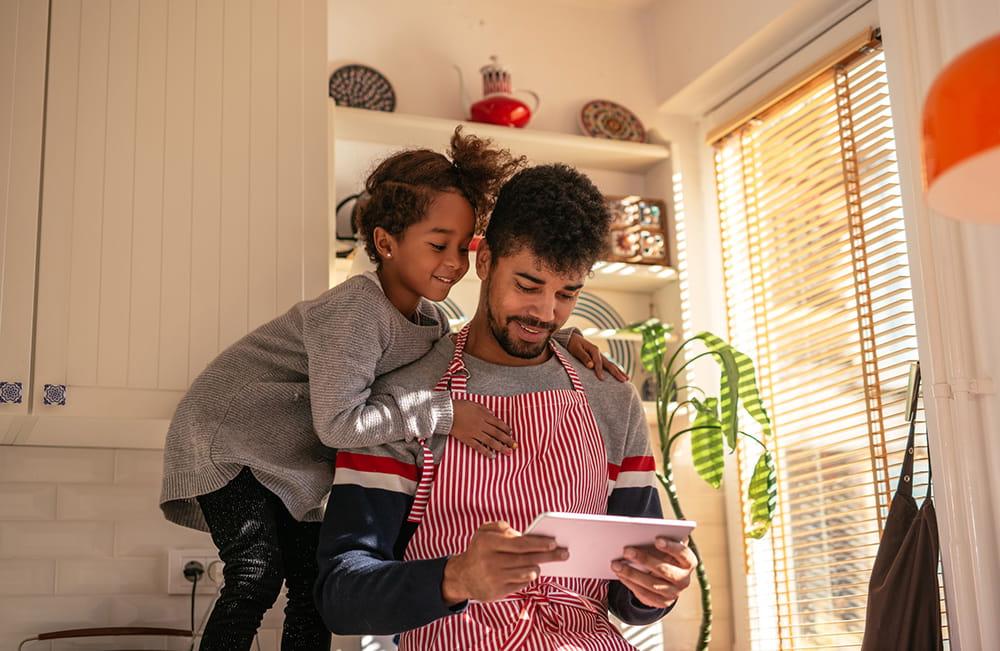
(194, 588)
(193, 571)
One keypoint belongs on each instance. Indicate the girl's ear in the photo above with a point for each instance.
(483, 257)
(385, 243)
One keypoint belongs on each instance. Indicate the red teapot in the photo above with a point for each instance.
(499, 104)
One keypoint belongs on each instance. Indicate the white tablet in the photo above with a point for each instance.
(594, 541)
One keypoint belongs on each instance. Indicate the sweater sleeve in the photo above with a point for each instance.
(634, 494)
(363, 587)
(344, 341)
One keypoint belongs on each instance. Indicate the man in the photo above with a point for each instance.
(424, 538)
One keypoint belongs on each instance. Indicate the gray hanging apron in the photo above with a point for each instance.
(904, 609)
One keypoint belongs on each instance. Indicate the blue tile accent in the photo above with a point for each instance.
(11, 393)
(55, 394)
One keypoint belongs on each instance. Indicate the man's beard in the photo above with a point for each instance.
(515, 347)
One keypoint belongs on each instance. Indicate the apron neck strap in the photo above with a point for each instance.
(905, 485)
(457, 376)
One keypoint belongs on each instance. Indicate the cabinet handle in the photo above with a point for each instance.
(11, 393)
(54, 394)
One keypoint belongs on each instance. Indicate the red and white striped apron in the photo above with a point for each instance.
(560, 464)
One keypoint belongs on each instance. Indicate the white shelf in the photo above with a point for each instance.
(400, 129)
(630, 277)
(606, 275)
(649, 406)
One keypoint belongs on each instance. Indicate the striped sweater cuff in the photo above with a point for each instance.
(372, 472)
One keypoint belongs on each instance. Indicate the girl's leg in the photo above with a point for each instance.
(243, 519)
(304, 629)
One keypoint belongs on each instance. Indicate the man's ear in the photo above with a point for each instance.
(483, 258)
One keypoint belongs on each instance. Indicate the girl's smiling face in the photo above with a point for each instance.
(431, 255)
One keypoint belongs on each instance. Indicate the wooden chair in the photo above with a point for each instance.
(114, 631)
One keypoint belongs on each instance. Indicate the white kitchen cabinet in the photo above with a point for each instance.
(184, 201)
(23, 25)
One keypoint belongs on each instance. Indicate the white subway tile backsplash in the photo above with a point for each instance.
(139, 467)
(154, 537)
(32, 615)
(27, 501)
(274, 616)
(12, 640)
(157, 642)
(269, 639)
(40, 540)
(119, 576)
(43, 464)
(157, 610)
(107, 502)
(27, 577)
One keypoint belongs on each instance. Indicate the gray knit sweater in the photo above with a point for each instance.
(280, 397)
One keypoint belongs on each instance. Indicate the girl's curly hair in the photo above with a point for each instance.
(402, 187)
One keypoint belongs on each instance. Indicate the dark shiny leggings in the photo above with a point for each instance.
(262, 546)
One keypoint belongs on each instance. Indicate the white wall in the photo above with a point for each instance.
(718, 51)
(689, 38)
(83, 543)
(955, 267)
(567, 52)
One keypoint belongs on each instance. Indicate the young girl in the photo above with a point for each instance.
(248, 454)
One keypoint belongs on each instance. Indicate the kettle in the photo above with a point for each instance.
(499, 104)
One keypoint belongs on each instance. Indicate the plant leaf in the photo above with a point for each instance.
(706, 443)
(763, 495)
(654, 342)
(747, 382)
(729, 388)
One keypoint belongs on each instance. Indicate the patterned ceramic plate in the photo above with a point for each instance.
(591, 311)
(362, 87)
(601, 118)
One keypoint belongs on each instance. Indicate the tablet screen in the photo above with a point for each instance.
(594, 541)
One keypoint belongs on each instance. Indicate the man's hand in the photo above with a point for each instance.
(665, 571)
(592, 356)
(477, 427)
(498, 561)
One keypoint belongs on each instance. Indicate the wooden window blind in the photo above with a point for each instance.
(817, 291)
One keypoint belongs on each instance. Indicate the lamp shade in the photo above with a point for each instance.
(961, 136)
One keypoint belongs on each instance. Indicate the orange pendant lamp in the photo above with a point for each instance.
(961, 134)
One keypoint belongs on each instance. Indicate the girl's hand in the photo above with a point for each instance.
(591, 355)
(477, 427)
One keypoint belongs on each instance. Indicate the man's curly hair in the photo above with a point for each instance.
(402, 187)
(555, 211)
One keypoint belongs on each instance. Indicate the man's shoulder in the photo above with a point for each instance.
(609, 389)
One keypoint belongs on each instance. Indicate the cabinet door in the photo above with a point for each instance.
(23, 25)
(184, 196)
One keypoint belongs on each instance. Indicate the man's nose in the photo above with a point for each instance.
(544, 308)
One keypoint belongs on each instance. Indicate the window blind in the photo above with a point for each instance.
(818, 292)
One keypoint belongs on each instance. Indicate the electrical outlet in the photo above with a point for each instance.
(178, 558)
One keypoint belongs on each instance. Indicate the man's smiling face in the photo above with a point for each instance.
(526, 302)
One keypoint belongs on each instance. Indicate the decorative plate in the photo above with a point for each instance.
(362, 87)
(591, 311)
(601, 118)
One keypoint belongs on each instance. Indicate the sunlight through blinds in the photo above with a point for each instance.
(818, 293)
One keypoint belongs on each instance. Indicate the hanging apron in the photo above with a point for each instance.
(904, 608)
(560, 464)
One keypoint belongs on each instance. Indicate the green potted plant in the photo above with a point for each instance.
(715, 426)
